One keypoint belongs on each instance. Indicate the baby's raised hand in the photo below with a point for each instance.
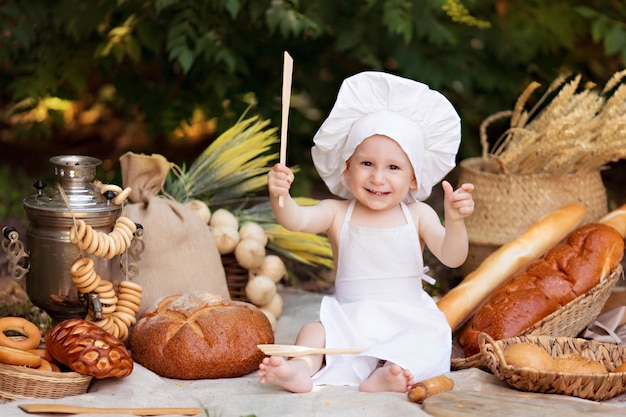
(279, 180)
(458, 203)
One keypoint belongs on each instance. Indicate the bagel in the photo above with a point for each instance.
(19, 357)
(22, 326)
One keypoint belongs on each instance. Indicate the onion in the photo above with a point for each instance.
(226, 238)
(254, 231)
(250, 253)
(275, 306)
(260, 290)
(223, 217)
(273, 267)
(200, 208)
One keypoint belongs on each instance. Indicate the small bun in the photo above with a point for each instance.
(527, 355)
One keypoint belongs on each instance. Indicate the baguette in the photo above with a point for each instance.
(460, 302)
(616, 219)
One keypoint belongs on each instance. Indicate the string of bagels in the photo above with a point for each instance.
(118, 310)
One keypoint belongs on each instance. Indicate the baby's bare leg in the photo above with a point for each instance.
(388, 378)
(295, 375)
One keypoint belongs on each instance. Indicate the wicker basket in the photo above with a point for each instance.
(590, 386)
(567, 321)
(17, 382)
(236, 278)
(507, 205)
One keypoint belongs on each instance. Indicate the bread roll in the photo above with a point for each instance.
(616, 219)
(459, 303)
(577, 364)
(528, 355)
(200, 335)
(87, 349)
(568, 270)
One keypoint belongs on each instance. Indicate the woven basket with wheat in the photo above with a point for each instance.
(549, 156)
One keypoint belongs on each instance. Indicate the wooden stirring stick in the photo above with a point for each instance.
(286, 99)
(74, 409)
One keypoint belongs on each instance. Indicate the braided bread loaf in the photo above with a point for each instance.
(87, 349)
(200, 335)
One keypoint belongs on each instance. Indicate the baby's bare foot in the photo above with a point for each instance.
(389, 378)
(292, 375)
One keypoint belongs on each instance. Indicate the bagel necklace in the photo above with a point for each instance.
(113, 312)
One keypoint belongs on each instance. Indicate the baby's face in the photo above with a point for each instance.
(379, 173)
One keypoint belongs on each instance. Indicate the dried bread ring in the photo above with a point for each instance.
(127, 222)
(110, 187)
(22, 326)
(42, 353)
(19, 357)
(44, 365)
(133, 298)
(128, 304)
(131, 285)
(122, 196)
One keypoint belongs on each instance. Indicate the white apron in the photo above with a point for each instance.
(380, 306)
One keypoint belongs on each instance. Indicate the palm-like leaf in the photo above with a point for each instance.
(233, 165)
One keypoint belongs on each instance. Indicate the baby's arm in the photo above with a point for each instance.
(310, 219)
(449, 243)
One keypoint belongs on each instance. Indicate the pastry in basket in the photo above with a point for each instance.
(567, 271)
(87, 349)
(200, 335)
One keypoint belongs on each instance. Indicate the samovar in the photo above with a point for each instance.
(48, 255)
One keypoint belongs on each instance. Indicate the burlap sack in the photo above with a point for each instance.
(180, 254)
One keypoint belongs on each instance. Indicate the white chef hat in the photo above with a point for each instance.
(422, 121)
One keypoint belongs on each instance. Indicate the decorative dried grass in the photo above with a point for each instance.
(576, 131)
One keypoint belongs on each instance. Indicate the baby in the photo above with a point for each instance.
(387, 141)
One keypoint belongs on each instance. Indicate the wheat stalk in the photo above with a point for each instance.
(575, 131)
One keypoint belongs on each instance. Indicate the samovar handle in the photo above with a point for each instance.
(17, 257)
(133, 254)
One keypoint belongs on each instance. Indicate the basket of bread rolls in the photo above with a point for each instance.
(27, 370)
(578, 367)
(553, 280)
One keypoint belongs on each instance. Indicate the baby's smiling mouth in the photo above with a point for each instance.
(377, 192)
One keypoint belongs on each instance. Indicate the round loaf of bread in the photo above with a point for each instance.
(200, 335)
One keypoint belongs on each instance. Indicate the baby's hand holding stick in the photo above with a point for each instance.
(287, 75)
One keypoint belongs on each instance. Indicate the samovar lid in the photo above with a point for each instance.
(75, 175)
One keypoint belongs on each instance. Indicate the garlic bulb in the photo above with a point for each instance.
(273, 267)
(260, 290)
(254, 231)
(200, 208)
(250, 253)
(223, 217)
(226, 238)
(275, 306)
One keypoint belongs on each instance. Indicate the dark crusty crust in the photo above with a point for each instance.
(568, 270)
(200, 335)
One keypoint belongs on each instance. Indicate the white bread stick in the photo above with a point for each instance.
(460, 302)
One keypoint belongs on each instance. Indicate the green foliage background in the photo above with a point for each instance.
(159, 60)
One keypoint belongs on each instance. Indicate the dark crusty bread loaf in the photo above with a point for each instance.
(200, 335)
(87, 349)
(567, 271)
